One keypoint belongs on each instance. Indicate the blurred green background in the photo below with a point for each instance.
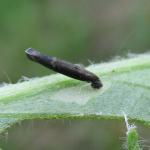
(77, 31)
(74, 30)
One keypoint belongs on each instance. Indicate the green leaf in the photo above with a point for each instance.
(132, 140)
(126, 89)
(132, 136)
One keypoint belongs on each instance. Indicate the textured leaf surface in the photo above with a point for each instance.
(126, 90)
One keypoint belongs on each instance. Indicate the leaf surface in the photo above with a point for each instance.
(126, 89)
